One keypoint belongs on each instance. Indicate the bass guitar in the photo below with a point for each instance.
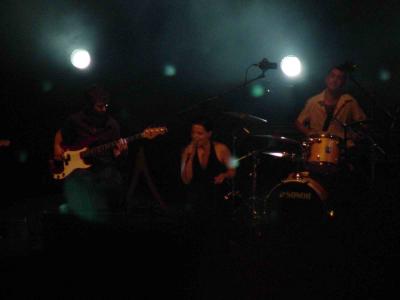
(76, 158)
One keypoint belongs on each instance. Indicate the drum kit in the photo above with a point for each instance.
(300, 193)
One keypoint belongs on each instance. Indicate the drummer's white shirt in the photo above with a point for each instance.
(347, 110)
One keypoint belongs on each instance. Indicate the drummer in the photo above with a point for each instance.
(330, 111)
(333, 112)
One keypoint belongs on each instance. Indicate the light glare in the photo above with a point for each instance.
(169, 70)
(257, 90)
(291, 66)
(80, 58)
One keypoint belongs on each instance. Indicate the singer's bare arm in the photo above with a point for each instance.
(187, 163)
(224, 156)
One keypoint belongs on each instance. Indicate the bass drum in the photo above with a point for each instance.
(299, 198)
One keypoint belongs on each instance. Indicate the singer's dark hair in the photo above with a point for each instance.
(204, 121)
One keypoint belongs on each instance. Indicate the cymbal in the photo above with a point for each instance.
(360, 123)
(280, 139)
(247, 118)
(292, 156)
(285, 155)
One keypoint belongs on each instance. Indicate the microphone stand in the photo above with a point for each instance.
(373, 143)
(372, 100)
(239, 87)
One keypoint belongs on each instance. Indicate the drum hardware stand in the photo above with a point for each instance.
(299, 159)
(255, 214)
(233, 193)
(345, 136)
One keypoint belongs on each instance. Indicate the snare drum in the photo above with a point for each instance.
(299, 197)
(323, 153)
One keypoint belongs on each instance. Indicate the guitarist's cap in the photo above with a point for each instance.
(96, 94)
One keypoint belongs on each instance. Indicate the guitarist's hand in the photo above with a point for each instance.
(120, 146)
(5, 143)
(58, 152)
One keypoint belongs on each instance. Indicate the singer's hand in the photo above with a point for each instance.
(220, 178)
(192, 149)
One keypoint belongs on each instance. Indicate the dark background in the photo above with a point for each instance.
(210, 43)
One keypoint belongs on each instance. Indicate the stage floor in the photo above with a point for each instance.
(146, 253)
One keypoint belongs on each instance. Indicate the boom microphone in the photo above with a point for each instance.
(265, 65)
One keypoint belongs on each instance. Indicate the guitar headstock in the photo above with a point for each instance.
(151, 133)
(5, 143)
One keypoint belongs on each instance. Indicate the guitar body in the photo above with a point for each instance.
(72, 160)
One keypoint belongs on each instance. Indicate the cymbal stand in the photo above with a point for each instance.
(299, 157)
(345, 137)
(253, 195)
(233, 193)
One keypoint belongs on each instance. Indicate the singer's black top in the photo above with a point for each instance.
(206, 199)
(214, 168)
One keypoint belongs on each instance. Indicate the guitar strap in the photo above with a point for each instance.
(329, 109)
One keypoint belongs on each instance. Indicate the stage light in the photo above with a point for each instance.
(291, 66)
(257, 90)
(169, 70)
(384, 75)
(233, 163)
(63, 209)
(47, 86)
(22, 156)
(80, 58)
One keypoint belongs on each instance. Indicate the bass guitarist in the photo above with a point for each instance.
(91, 193)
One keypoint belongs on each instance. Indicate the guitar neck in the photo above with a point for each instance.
(101, 149)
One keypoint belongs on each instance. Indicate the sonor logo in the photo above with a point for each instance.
(295, 195)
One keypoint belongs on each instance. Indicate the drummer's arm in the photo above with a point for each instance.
(302, 128)
(358, 115)
(302, 122)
